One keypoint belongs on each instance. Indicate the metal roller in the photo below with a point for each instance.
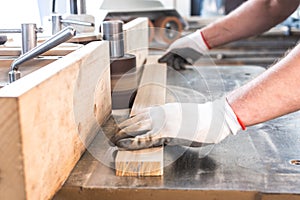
(113, 32)
(123, 81)
(168, 29)
(119, 66)
(122, 66)
(123, 99)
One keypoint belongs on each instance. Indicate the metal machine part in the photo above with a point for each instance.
(58, 21)
(123, 81)
(3, 39)
(29, 35)
(168, 29)
(52, 42)
(122, 66)
(69, 21)
(78, 7)
(10, 30)
(14, 75)
(169, 22)
(113, 32)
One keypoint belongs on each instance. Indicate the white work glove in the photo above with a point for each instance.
(185, 124)
(186, 50)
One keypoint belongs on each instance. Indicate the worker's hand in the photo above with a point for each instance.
(185, 124)
(186, 50)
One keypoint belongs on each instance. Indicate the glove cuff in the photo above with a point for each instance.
(205, 41)
(232, 119)
(199, 43)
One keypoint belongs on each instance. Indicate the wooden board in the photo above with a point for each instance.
(136, 39)
(148, 162)
(48, 118)
(152, 88)
(151, 92)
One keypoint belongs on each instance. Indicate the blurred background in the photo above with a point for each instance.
(15, 12)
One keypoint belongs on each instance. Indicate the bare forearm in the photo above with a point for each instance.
(251, 18)
(274, 93)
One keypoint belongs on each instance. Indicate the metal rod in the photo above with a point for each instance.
(62, 36)
(53, 6)
(69, 21)
(10, 31)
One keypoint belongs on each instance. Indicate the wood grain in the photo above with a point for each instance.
(151, 92)
(152, 88)
(48, 118)
(146, 162)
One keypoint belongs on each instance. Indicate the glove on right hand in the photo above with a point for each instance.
(185, 124)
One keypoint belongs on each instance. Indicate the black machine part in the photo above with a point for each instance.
(3, 39)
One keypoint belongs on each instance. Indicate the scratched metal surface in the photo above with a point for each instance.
(251, 165)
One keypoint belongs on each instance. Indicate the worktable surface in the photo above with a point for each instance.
(254, 164)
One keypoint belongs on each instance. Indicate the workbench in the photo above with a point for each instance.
(254, 164)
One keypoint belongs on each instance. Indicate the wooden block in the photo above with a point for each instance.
(136, 39)
(148, 162)
(48, 118)
(152, 91)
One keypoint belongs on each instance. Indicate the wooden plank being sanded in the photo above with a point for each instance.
(48, 118)
(151, 92)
